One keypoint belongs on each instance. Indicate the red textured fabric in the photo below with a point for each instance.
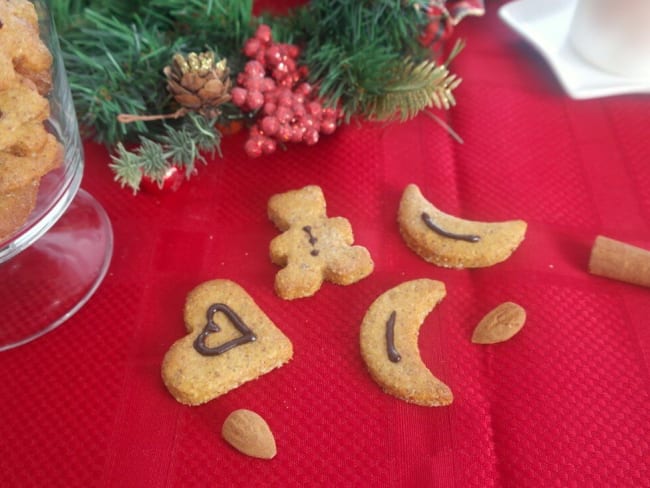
(564, 403)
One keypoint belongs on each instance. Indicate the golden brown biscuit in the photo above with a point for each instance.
(15, 207)
(312, 247)
(20, 41)
(389, 342)
(34, 140)
(19, 106)
(7, 72)
(17, 171)
(230, 341)
(27, 150)
(22, 9)
(452, 242)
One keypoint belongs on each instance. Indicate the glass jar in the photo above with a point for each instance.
(53, 263)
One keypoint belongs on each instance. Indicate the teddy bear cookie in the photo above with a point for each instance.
(230, 341)
(312, 247)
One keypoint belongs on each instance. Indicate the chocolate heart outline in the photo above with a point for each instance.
(211, 327)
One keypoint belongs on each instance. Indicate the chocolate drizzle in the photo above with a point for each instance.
(312, 240)
(393, 355)
(211, 327)
(460, 237)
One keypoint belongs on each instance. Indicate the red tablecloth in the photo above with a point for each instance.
(564, 403)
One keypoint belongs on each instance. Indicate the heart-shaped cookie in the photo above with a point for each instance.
(230, 341)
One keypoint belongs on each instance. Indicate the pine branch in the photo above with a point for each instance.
(127, 167)
(116, 68)
(180, 147)
(364, 57)
(353, 48)
(415, 87)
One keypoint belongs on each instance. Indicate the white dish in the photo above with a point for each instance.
(545, 24)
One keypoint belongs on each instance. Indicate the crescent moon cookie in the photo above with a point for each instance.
(452, 242)
(389, 343)
(230, 341)
(312, 247)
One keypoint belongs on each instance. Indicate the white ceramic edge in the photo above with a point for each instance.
(561, 57)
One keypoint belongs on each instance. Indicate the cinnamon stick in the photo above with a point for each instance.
(620, 261)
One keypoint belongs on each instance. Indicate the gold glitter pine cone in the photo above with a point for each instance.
(198, 83)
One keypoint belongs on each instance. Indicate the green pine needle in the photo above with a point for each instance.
(127, 167)
(415, 87)
(180, 147)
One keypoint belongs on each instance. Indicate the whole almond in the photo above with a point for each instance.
(249, 433)
(500, 324)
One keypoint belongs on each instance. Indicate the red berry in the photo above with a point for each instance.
(259, 57)
(263, 33)
(251, 46)
(254, 68)
(284, 114)
(315, 108)
(328, 126)
(279, 74)
(270, 125)
(297, 133)
(253, 147)
(271, 96)
(310, 122)
(170, 181)
(269, 108)
(298, 109)
(310, 137)
(285, 99)
(273, 55)
(286, 81)
(254, 99)
(304, 88)
(238, 96)
(284, 133)
(293, 51)
(254, 84)
(268, 146)
(268, 84)
(290, 65)
(298, 97)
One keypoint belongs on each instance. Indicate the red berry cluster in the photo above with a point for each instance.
(288, 109)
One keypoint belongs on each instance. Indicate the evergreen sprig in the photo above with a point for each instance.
(353, 48)
(183, 147)
(364, 56)
(114, 68)
(415, 87)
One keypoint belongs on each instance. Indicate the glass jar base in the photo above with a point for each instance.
(45, 284)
